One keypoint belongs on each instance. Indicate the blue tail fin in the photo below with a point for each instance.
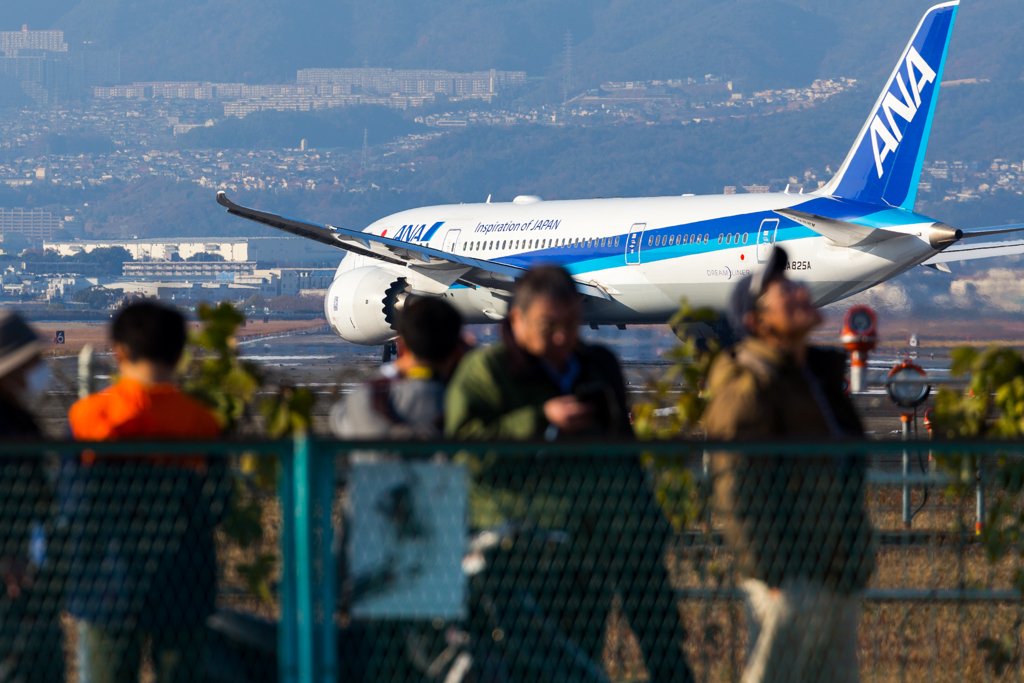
(884, 165)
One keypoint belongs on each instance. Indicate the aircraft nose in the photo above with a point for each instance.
(941, 235)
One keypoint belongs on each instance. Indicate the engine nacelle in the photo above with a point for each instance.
(361, 305)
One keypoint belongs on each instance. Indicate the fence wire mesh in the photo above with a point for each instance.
(600, 562)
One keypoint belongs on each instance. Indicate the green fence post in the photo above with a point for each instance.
(326, 574)
(287, 643)
(304, 560)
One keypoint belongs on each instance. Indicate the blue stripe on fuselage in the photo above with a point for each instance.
(585, 259)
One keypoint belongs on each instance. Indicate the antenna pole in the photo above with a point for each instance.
(364, 162)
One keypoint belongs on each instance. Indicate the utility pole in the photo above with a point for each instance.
(567, 67)
(364, 163)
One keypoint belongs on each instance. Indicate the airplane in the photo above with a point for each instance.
(635, 259)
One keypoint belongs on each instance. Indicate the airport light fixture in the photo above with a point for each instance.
(859, 336)
(907, 386)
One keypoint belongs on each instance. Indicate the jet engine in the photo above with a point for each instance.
(361, 305)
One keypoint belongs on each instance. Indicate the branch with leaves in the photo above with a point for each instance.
(216, 374)
(675, 409)
(991, 407)
(678, 396)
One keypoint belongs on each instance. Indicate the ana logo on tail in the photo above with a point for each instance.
(884, 165)
(919, 74)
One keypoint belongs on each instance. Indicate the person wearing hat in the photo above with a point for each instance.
(797, 524)
(22, 376)
(29, 602)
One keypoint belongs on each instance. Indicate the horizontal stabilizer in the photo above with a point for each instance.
(988, 232)
(969, 252)
(842, 233)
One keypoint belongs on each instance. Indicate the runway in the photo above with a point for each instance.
(332, 368)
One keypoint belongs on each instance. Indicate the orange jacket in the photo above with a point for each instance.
(131, 410)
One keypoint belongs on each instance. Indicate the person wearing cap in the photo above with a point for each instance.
(29, 618)
(406, 401)
(802, 539)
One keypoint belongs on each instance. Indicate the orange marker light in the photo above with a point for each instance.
(859, 336)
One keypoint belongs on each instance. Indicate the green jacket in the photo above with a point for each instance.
(498, 393)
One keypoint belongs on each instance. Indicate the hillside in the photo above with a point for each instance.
(559, 163)
(757, 42)
(342, 127)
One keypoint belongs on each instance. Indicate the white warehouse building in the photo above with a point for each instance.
(288, 249)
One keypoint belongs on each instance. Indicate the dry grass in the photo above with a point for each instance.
(906, 641)
(897, 641)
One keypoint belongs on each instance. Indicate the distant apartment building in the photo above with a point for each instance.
(182, 128)
(187, 269)
(45, 69)
(12, 42)
(327, 88)
(33, 224)
(415, 81)
(196, 291)
(201, 90)
(300, 281)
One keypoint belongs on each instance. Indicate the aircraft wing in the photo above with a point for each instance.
(969, 252)
(446, 266)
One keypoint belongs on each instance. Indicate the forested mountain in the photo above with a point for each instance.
(756, 42)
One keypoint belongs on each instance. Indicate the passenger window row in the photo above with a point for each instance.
(565, 243)
(588, 242)
(733, 238)
(672, 240)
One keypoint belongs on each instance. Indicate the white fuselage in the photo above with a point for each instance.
(650, 254)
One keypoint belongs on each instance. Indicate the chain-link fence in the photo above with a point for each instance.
(319, 560)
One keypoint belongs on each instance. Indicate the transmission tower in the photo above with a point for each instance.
(364, 163)
(567, 67)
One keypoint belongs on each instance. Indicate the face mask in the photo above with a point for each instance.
(37, 380)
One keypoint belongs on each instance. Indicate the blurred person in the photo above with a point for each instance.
(143, 560)
(797, 524)
(407, 399)
(542, 382)
(30, 628)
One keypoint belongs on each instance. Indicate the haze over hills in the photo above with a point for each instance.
(759, 43)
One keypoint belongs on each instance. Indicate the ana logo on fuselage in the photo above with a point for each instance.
(417, 233)
(919, 74)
